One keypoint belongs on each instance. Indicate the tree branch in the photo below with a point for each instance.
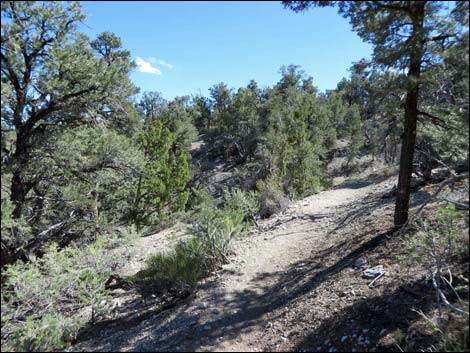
(435, 120)
(404, 9)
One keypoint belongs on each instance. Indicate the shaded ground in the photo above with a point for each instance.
(291, 286)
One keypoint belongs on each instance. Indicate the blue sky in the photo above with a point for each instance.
(186, 47)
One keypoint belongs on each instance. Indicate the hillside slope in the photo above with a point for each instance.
(291, 286)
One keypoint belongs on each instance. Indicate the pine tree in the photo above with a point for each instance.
(52, 73)
(403, 34)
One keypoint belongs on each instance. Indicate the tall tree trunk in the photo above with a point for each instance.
(411, 117)
(136, 212)
(406, 158)
(19, 186)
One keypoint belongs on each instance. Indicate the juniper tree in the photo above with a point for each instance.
(201, 113)
(176, 116)
(355, 135)
(150, 106)
(163, 187)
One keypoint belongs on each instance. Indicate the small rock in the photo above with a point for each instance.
(344, 338)
(326, 342)
(382, 332)
(360, 262)
(365, 330)
(373, 272)
(284, 339)
(207, 327)
(332, 349)
(203, 305)
(265, 238)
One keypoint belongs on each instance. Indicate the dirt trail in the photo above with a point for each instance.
(247, 305)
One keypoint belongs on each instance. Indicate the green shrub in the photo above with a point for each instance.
(216, 228)
(200, 199)
(15, 232)
(40, 298)
(441, 242)
(442, 238)
(213, 230)
(49, 331)
(184, 266)
(454, 336)
(271, 198)
(246, 203)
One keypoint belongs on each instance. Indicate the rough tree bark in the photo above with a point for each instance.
(411, 117)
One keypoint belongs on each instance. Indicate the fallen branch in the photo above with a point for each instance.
(444, 299)
(254, 220)
(449, 283)
(375, 279)
(458, 205)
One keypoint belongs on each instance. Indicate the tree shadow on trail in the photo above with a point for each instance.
(242, 310)
(366, 206)
(361, 183)
(228, 314)
(376, 323)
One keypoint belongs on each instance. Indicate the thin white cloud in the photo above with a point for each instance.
(145, 66)
(166, 64)
(153, 60)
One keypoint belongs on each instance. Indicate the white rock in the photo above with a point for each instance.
(360, 262)
(373, 272)
(203, 305)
